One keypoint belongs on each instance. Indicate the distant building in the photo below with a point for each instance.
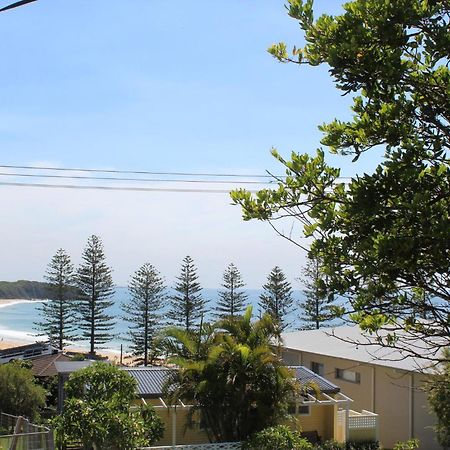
(27, 351)
(378, 379)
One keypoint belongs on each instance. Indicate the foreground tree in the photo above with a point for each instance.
(317, 306)
(19, 394)
(276, 300)
(96, 287)
(187, 306)
(101, 416)
(386, 234)
(232, 377)
(143, 311)
(58, 314)
(231, 298)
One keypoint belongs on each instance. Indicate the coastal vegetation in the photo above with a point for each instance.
(20, 394)
(231, 297)
(276, 299)
(317, 308)
(94, 281)
(234, 377)
(144, 312)
(58, 314)
(187, 306)
(101, 416)
(25, 289)
(383, 238)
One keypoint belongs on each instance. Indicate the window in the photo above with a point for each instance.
(292, 408)
(298, 408)
(303, 410)
(348, 375)
(317, 368)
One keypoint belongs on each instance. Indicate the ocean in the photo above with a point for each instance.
(17, 320)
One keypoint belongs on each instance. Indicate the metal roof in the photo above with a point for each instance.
(306, 376)
(150, 380)
(349, 342)
(71, 366)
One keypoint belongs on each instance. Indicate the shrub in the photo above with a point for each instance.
(19, 394)
(97, 411)
(412, 444)
(277, 438)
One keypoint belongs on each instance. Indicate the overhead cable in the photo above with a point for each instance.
(119, 188)
(79, 177)
(138, 172)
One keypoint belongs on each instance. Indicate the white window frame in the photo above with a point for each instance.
(348, 375)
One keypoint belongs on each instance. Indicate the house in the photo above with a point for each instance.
(321, 411)
(43, 366)
(28, 351)
(377, 379)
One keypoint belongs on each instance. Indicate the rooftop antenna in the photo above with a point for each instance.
(16, 4)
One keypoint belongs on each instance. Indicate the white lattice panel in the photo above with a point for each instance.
(362, 422)
(216, 446)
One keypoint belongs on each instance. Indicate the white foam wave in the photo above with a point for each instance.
(6, 303)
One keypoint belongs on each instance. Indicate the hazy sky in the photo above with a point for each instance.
(158, 86)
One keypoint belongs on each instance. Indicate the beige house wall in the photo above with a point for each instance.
(183, 434)
(395, 395)
(320, 419)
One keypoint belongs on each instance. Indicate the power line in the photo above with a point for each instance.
(139, 172)
(16, 5)
(119, 188)
(80, 177)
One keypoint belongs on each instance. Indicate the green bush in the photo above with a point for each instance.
(98, 411)
(412, 444)
(277, 438)
(19, 393)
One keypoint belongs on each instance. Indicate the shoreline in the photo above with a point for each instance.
(108, 352)
(4, 302)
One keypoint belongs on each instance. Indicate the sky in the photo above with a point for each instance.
(152, 85)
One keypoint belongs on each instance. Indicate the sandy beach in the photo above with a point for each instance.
(14, 338)
(15, 301)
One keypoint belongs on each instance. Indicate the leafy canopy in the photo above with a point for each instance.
(232, 376)
(19, 393)
(97, 411)
(439, 399)
(384, 237)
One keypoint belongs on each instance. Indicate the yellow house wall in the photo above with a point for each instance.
(320, 419)
(423, 419)
(184, 435)
(401, 405)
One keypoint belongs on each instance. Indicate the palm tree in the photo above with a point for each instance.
(232, 376)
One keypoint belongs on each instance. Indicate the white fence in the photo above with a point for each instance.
(364, 420)
(214, 446)
(355, 426)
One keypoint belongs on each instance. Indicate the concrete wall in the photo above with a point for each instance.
(395, 395)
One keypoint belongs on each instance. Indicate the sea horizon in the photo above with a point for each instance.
(17, 318)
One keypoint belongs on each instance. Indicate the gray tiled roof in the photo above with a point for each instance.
(305, 376)
(150, 379)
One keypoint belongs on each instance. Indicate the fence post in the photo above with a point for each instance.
(17, 429)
